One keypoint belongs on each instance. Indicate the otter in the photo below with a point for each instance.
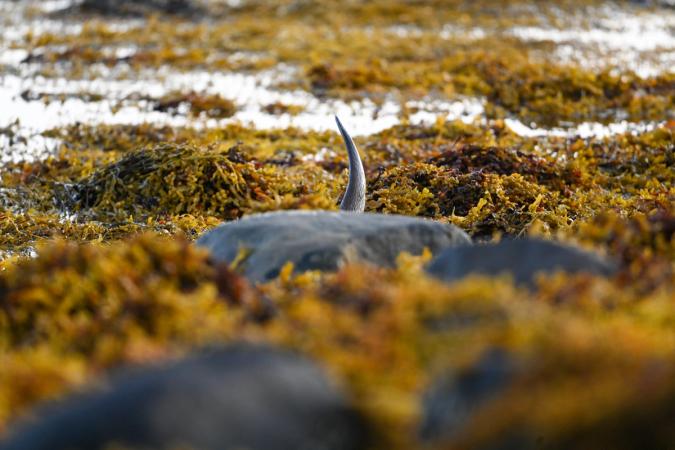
(325, 240)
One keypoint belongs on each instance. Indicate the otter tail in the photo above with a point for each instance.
(355, 195)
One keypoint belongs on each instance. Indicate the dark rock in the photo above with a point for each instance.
(652, 3)
(324, 240)
(135, 8)
(522, 258)
(243, 396)
(451, 401)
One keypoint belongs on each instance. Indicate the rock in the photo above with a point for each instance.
(242, 396)
(452, 400)
(552, 397)
(324, 240)
(652, 3)
(136, 8)
(522, 258)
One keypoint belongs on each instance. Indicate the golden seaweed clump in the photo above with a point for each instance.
(177, 180)
(77, 309)
(476, 190)
(510, 187)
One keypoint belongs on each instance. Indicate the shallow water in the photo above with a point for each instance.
(641, 42)
(251, 93)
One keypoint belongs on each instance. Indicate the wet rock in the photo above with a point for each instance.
(136, 8)
(324, 240)
(651, 3)
(522, 258)
(511, 400)
(242, 396)
(452, 400)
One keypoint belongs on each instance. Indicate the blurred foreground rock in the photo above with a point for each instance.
(521, 258)
(324, 240)
(551, 398)
(243, 396)
(451, 401)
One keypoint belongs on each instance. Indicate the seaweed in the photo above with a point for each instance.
(175, 180)
(279, 108)
(505, 162)
(118, 138)
(77, 309)
(482, 178)
(207, 105)
(581, 338)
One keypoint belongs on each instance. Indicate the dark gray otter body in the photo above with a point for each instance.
(323, 240)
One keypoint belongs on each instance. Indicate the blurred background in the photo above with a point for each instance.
(542, 66)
